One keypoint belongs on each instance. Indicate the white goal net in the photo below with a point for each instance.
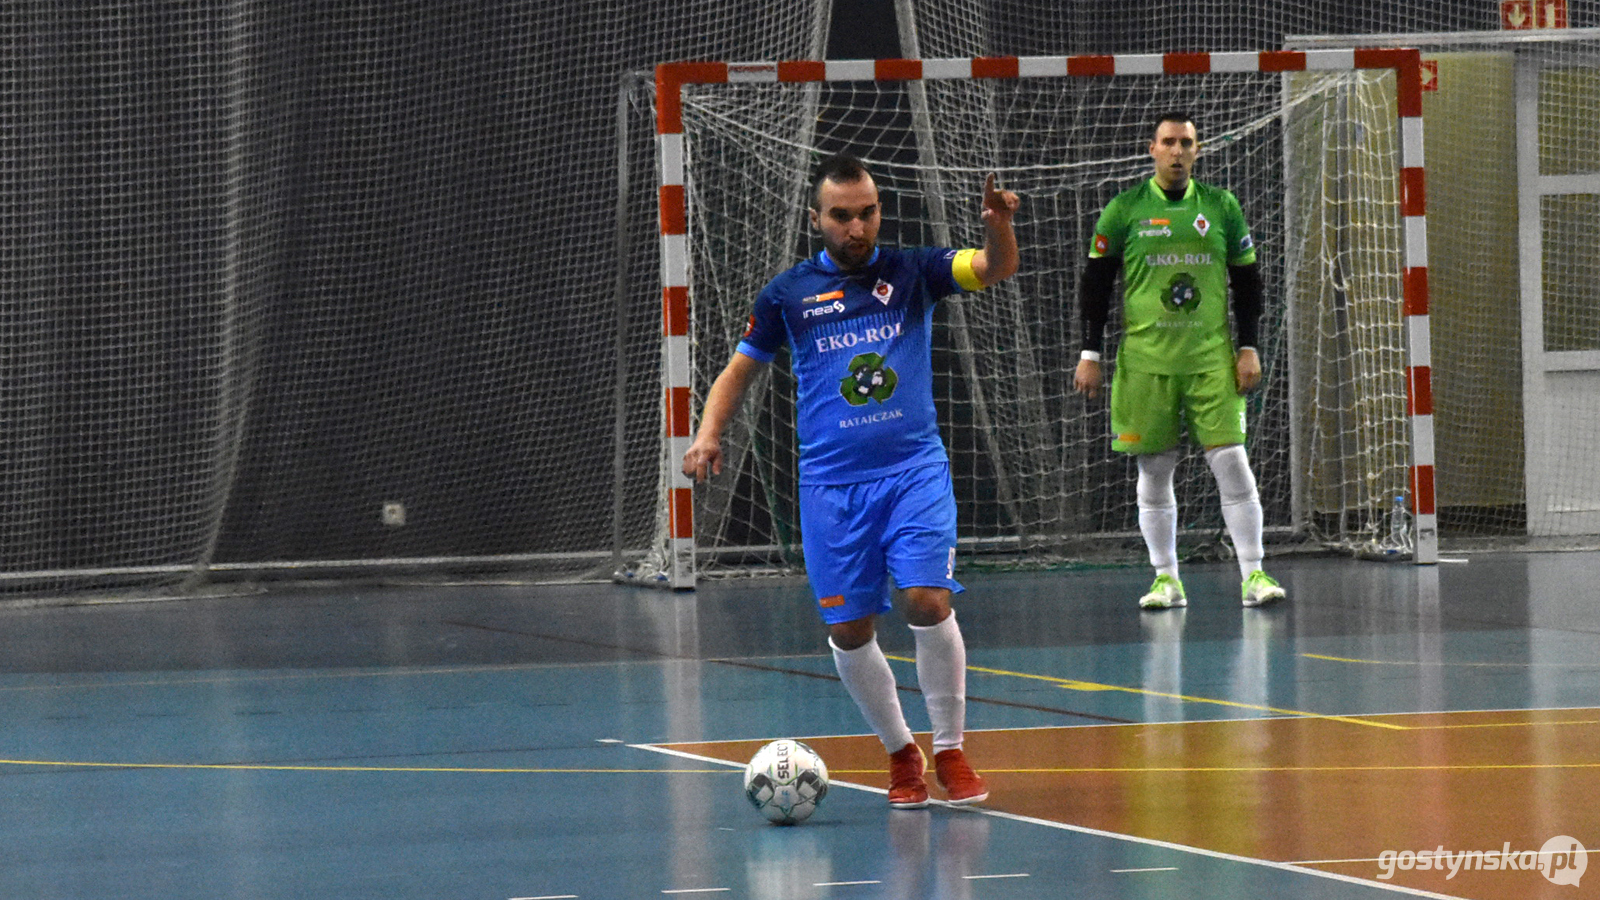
(1315, 156)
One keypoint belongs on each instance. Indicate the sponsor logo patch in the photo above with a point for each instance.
(869, 379)
(836, 306)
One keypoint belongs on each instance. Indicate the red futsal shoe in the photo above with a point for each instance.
(908, 789)
(961, 784)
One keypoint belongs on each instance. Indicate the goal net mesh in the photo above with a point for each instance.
(1036, 481)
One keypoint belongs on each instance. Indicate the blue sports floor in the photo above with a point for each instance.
(430, 741)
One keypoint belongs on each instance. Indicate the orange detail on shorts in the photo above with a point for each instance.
(831, 602)
(1130, 438)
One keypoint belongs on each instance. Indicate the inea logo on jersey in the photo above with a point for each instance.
(836, 306)
(813, 311)
(1155, 228)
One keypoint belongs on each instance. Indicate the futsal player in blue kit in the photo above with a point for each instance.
(876, 503)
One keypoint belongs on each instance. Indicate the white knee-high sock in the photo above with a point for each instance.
(866, 675)
(1158, 510)
(942, 675)
(1241, 504)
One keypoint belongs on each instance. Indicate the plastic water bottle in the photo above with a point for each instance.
(1400, 523)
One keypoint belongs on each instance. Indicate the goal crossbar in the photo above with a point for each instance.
(672, 78)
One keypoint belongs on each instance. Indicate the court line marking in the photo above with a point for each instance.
(1150, 869)
(406, 770)
(1417, 663)
(1036, 770)
(1078, 685)
(1502, 725)
(1095, 832)
(409, 672)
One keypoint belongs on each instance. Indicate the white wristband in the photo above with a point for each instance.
(1090, 355)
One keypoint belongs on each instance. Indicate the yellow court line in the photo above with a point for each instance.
(1076, 685)
(247, 767)
(1442, 664)
(1527, 724)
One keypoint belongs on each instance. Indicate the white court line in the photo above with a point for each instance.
(698, 891)
(843, 883)
(1151, 869)
(983, 877)
(1095, 832)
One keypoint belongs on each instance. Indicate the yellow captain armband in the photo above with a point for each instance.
(961, 268)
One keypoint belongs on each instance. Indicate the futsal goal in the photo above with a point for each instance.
(1323, 149)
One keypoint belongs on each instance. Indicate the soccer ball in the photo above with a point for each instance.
(786, 780)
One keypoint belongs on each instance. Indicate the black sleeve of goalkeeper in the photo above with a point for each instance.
(1094, 299)
(1246, 303)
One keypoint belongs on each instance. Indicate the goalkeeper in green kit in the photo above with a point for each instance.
(1179, 244)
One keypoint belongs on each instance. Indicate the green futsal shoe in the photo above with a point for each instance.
(1259, 590)
(1165, 593)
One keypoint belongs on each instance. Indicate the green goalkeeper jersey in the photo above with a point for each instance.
(1175, 257)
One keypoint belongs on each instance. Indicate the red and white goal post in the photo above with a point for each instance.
(1031, 119)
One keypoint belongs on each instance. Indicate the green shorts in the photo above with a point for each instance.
(1149, 412)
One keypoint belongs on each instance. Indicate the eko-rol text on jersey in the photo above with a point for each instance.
(861, 347)
(1175, 258)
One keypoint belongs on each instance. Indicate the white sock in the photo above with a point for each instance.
(866, 675)
(1241, 504)
(942, 675)
(1158, 510)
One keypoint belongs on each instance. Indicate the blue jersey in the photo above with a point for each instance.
(862, 352)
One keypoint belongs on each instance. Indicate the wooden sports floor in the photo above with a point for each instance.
(1391, 731)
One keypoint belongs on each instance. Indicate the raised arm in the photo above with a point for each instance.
(998, 259)
(704, 457)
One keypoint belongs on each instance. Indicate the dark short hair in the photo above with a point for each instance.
(1178, 116)
(840, 168)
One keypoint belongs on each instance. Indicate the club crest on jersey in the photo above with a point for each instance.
(883, 290)
(1202, 224)
(1181, 294)
(869, 379)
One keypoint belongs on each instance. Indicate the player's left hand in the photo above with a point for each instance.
(998, 205)
(1247, 370)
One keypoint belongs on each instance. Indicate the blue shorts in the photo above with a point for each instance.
(858, 536)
